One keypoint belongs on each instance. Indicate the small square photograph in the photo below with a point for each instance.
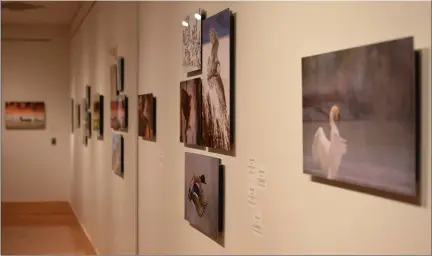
(202, 194)
(190, 112)
(146, 116)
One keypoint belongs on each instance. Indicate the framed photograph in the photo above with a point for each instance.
(216, 83)
(122, 112)
(190, 112)
(203, 196)
(118, 154)
(147, 116)
(359, 116)
(120, 74)
(25, 115)
(191, 41)
(98, 108)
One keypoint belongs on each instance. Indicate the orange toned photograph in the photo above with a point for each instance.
(25, 115)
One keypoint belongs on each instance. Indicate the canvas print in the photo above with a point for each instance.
(146, 116)
(202, 193)
(359, 116)
(25, 115)
(190, 111)
(87, 122)
(115, 125)
(216, 38)
(120, 74)
(122, 112)
(98, 115)
(191, 47)
(88, 95)
(117, 154)
(78, 115)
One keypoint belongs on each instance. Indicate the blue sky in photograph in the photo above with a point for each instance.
(220, 22)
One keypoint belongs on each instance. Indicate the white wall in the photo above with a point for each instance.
(106, 204)
(300, 216)
(33, 169)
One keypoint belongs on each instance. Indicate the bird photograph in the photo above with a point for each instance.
(216, 81)
(190, 114)
(359, 116)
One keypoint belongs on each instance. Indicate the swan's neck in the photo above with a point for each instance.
(331, 118)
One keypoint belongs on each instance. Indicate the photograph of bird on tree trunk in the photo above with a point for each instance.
(216, 82)
(203, 194)
(359, 116)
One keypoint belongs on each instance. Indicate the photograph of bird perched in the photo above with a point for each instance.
(190, 111)
(216, 84)
(359, 116)
(202, 190)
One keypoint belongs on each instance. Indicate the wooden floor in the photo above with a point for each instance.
(48, 228)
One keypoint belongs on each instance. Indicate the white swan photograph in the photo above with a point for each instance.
(359, 116)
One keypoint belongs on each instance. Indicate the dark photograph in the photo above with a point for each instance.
(190, 111)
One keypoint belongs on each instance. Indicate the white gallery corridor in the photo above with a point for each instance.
(216, 127)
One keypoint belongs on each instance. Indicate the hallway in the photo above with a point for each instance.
(46, 228)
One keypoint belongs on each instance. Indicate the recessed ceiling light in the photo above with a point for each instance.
(184, 23)
(197, 16)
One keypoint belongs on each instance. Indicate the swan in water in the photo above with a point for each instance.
(327, 154)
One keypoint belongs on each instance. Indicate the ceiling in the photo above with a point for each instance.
(40, 12)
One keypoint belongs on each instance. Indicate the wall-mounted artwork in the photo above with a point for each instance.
(88, 95)
(25, 115)
(120, 74)
(78, 112)
(98, 108)
(72, 115)
(359, 116)
(204, 194)
(190, 112)
(216, 83)
(191, 45)
(147, 116)
(118, 154)
(88, 121)
(115, 122)
(122, 112)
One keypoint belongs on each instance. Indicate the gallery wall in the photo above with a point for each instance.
(32, 168)
(299, 215)
(105, 203)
